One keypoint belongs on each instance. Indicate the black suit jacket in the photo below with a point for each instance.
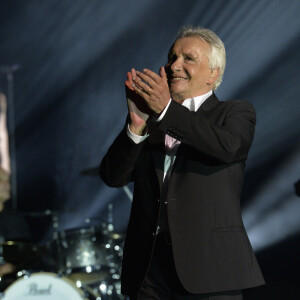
(211, 249)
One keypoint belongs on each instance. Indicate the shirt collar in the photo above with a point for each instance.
(194, 103)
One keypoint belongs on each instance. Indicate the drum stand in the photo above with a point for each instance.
(110, 288)
(58, 239)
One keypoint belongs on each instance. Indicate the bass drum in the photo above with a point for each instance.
(43, 286)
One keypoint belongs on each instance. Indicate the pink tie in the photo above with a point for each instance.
(170, 142)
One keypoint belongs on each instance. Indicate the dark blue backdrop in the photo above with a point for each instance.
(69, 97)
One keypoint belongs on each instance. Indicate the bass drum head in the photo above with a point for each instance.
(43, 286)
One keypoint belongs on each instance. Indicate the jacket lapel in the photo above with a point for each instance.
(209, 104)
(157, 142)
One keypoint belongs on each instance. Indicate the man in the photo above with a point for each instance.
(5, 267)
(13, 226)
(185, 151)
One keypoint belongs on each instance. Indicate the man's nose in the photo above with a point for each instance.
(176, 65)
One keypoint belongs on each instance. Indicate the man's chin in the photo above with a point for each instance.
(177, 96)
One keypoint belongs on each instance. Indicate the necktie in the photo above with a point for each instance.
(171, 146)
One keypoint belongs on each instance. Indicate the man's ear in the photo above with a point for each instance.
(213, 76)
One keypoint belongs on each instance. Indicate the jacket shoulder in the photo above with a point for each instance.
(238, 104)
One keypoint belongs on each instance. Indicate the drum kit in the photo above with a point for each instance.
(87, 264)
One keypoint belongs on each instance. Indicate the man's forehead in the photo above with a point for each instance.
(189, 45)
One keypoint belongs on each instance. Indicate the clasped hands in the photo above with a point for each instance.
(146, 93)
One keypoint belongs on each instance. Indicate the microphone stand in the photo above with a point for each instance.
(9, 70)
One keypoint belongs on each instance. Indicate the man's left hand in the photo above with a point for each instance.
(153, 88)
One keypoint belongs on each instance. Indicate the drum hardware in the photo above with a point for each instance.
(23, 273)
(109, 289)
(23, 258)
(89, 257)
(20, 253)
(2, 260)
(83, 255)
(57, 242)
(107, 285)
(88, 290)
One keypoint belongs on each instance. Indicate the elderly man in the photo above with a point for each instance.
(185, 151)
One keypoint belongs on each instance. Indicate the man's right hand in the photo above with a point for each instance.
(138, 110)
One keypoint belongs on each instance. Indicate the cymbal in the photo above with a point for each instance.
(89, 278)
(93, 172)
(20, 252)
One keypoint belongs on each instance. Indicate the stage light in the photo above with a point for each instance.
(273, 215)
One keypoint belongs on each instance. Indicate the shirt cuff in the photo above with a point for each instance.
(164, 111)
(136, 138)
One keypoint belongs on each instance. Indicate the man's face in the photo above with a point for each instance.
(188, 70)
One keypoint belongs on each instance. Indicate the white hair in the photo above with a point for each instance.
(217, 55)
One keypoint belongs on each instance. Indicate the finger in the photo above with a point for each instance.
(128, 82)
(142, 86)
(141, 91)
(136, 80)
(145, 80)
(128, 85)
(155, 77)
(133, 72)
(129, 76)
(163, 74)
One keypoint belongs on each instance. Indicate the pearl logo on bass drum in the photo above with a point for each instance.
(34, 289)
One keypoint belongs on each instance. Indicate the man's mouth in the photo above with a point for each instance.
(178, 78)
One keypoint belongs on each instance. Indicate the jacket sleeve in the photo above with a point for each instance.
(226, 138)
(117, 166)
